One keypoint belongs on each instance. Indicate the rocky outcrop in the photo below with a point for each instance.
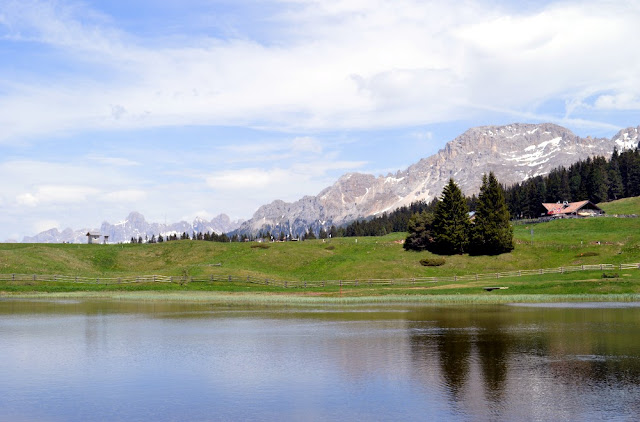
(514, 153)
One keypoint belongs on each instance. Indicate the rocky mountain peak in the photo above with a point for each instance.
(513, 152)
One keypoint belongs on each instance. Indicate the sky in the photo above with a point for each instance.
(185, 108)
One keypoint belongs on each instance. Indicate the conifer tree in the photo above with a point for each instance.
(309, 235)
(451, 222)
(420, 235)
(491, 233)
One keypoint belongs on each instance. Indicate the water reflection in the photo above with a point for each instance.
(93, 360)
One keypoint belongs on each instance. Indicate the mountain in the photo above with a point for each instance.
(136, 226)
(514, 153)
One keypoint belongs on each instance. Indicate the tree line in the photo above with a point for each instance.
(596, 179)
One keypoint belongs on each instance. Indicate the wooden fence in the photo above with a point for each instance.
(316, 283)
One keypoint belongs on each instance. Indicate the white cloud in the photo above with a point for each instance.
(623, 101)
(27, 199)
(112, 161)
(248, 179)
(307, 144)
(127, 195)
(46, 224)
(61, 194)
(348, 64)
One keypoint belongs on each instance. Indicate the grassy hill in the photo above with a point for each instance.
(553, 244)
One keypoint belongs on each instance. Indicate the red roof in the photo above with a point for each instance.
(568, 208)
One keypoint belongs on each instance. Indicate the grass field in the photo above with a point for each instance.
(553, 244)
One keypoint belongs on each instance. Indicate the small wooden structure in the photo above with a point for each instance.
(92, 236)
(577, 209)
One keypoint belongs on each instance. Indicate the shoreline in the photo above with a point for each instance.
(291, 299)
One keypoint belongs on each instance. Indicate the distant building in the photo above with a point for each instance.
(93, 237)
(577, 209)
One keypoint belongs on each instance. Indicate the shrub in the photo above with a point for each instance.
(330, 248)
(260, 246)
(587, 254)
(432, 262)
(614, 275)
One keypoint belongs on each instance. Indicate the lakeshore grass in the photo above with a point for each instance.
(296, 300)
(557, 243)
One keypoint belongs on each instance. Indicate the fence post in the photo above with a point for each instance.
(229, 279)
(497, 275)
(119, 280)
(519, 273)
(285, 284)
(34, 277)
(322, 283)
(154, 278)
(171, 279)
(600, 267)
(305, 284)
(13, 277)
(476, 277)
(561, 270)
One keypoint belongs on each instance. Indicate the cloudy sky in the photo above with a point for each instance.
(178, 108)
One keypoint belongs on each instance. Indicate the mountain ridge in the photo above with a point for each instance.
(513, 152)
(135, 225)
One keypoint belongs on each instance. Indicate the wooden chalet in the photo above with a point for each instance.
(575, 209)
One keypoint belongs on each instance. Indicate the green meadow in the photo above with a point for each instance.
(569, 242)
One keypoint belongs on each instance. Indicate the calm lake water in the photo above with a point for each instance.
(127, 361)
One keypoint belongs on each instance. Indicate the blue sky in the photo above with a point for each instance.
(188, 108)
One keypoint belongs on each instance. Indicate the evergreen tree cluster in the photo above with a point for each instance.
(595, 179)
(448, 229)
(210, 237)
(395, 221)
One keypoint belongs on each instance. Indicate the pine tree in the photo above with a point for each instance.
(616, 189)
(420, 235)
(451, 222)
(309, 235)
(491, 233)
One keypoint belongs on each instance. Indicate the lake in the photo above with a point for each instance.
(88, 360)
